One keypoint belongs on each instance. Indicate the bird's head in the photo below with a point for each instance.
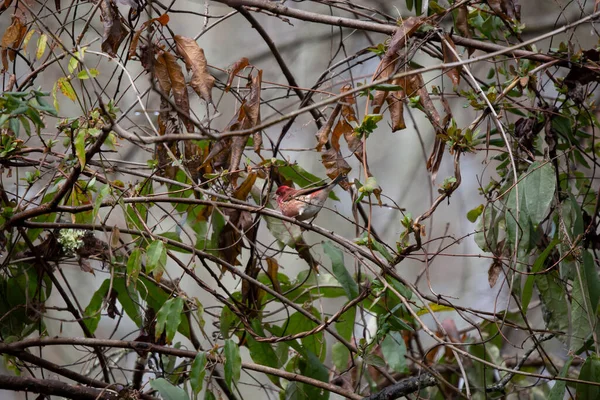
(283, 190)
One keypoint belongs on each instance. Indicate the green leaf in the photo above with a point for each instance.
(129, 299)
(589, 372)
(591, 279)
(394, 351)
(156, 257)
(298, 323)
(580, 312)
(339, 270)
(80, 146)
(345, 324)
(167, 390)
(340, 356)
(375, 360)
(537, 267)
(84, 74)
(197, 372)
(156, 297)
(233, 363)
(134, 266)
(73, 63)
(539, 186)
(174, 236)
(168, 318)
(91, 313)
(475, 213)
(261, 352)
(373, 244)
(208, 395)
(558, 390)
(554, 303)
(105, 191)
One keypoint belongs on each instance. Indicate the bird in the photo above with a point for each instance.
(304, 204)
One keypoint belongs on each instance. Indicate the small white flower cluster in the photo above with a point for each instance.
(70, 239)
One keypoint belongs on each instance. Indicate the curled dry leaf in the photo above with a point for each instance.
(494, 272)
(234, 69)
(253, 109)
(11, 40)
(335, 165)
(462, 24)
(272, 270)
(202, 82)
(170, 78)
(395, 103)
(4, 6)
(449, 51)
(325, 131)
(114, 30)
(388, 63)
(163, 20)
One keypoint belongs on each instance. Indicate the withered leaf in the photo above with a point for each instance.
(114, 30)
(335, 165)
(234, 69)
(4, 6)
(253, 109)
(242, 191)
(323, 134)
(388, 63)
(449, 51)
(170, 77)
(396, 108)
(272, 270)
(349, 118)
(462, 24)
(494, 272)
(202, 82)
(163, 20)
(11, 40)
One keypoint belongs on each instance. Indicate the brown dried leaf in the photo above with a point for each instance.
(494, 272)
(114, 30)
(335, 165)
(170, 74)
(462, 21)
(138, 33)
(253, 104)
(323, 134)
(349, 118)
(396, 108)
(388, 63)
(272, 270)
(242, 191)
(234, 69)
(449, 51)
(11, 39)
(202, 82)
(4, 6)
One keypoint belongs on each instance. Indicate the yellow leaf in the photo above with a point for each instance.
(435, 308)
(65, 87)
(41, 46)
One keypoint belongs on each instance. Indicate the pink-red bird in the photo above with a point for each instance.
(304, 204)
